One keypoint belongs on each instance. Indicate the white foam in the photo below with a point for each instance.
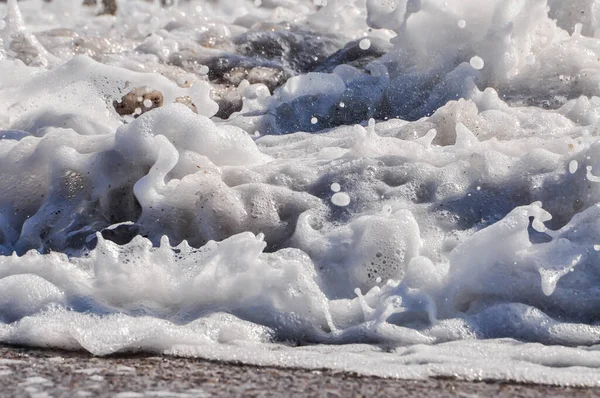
(451, 235)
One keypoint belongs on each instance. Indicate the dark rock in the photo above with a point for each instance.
(187, 101)
(295, 51)
(121, 234)
(232, 69)
(136, 100)
(270, 77)
(228, 99)
(352, 55)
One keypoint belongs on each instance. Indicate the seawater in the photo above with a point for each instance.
(396, 188)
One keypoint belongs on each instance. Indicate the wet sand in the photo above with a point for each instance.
(26, 372)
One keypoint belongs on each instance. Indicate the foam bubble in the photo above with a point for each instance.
(335, 187)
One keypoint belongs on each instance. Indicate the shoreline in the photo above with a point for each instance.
(39, 372)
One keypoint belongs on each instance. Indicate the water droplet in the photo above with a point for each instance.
(364, 44)
(314, 120)
(342, 105)
(335, 187)
(597, 248)
(462, 23)
(573, 166)
(477, 62)
(341, 199)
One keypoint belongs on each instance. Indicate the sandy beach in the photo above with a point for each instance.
(27, 372)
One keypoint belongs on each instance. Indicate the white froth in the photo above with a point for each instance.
(573, 166)
(458, 232)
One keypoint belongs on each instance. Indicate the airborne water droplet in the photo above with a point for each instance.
(573, 166)
(364, 44)
(341, 199)
(477, 62)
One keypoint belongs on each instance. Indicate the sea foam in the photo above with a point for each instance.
(424, 205)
